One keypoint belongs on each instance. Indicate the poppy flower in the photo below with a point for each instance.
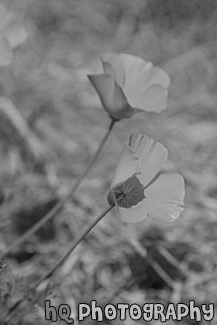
(138, 189)
(12, 34)
(130, 85)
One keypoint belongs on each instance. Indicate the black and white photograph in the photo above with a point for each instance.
(108, 162)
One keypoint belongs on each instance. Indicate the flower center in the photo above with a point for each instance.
(127, 194)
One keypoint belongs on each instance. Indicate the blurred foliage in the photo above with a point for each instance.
(47, 83)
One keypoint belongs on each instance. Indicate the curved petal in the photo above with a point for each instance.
(164, 201)
(152, 156)
(135, 214)
(108, 68)
(128, 165)
(156, 75)
(142, 73)
(133, 71)
(135, 140)
(163, 211)
(112, 64)
(151, 99)
(165, 197)
(111, 95)
(141, 144)
(127, 68)
(169, 187)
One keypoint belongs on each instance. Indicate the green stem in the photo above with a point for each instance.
(62, 201)
(74, 244)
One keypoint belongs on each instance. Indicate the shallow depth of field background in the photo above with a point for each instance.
(47, 83)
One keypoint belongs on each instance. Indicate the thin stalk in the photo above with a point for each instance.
(47, 275)
(74, 244)
(62, 201)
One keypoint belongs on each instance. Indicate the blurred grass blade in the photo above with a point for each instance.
(32, 142)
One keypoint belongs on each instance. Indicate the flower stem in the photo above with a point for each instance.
(47, 275)
(62, 201)
(74, 244)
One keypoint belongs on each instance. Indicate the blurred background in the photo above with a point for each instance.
(48, 86)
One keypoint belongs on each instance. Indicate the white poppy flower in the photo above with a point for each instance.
(130, 85)
(139, 190)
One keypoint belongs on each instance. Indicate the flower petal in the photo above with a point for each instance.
(135, 75)
(141, 144)
(163, 211)
(134, 214)
(143, 72)
(111, 95)
(156, 75)
(164, 200)
(126, 66)
(5, 52)
(108, 68)
(165, 197)
(152, 99)
(112, 64)
(152, 156)
(167, 187)
(128, 165)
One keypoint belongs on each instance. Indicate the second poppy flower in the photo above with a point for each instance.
(139, 190)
